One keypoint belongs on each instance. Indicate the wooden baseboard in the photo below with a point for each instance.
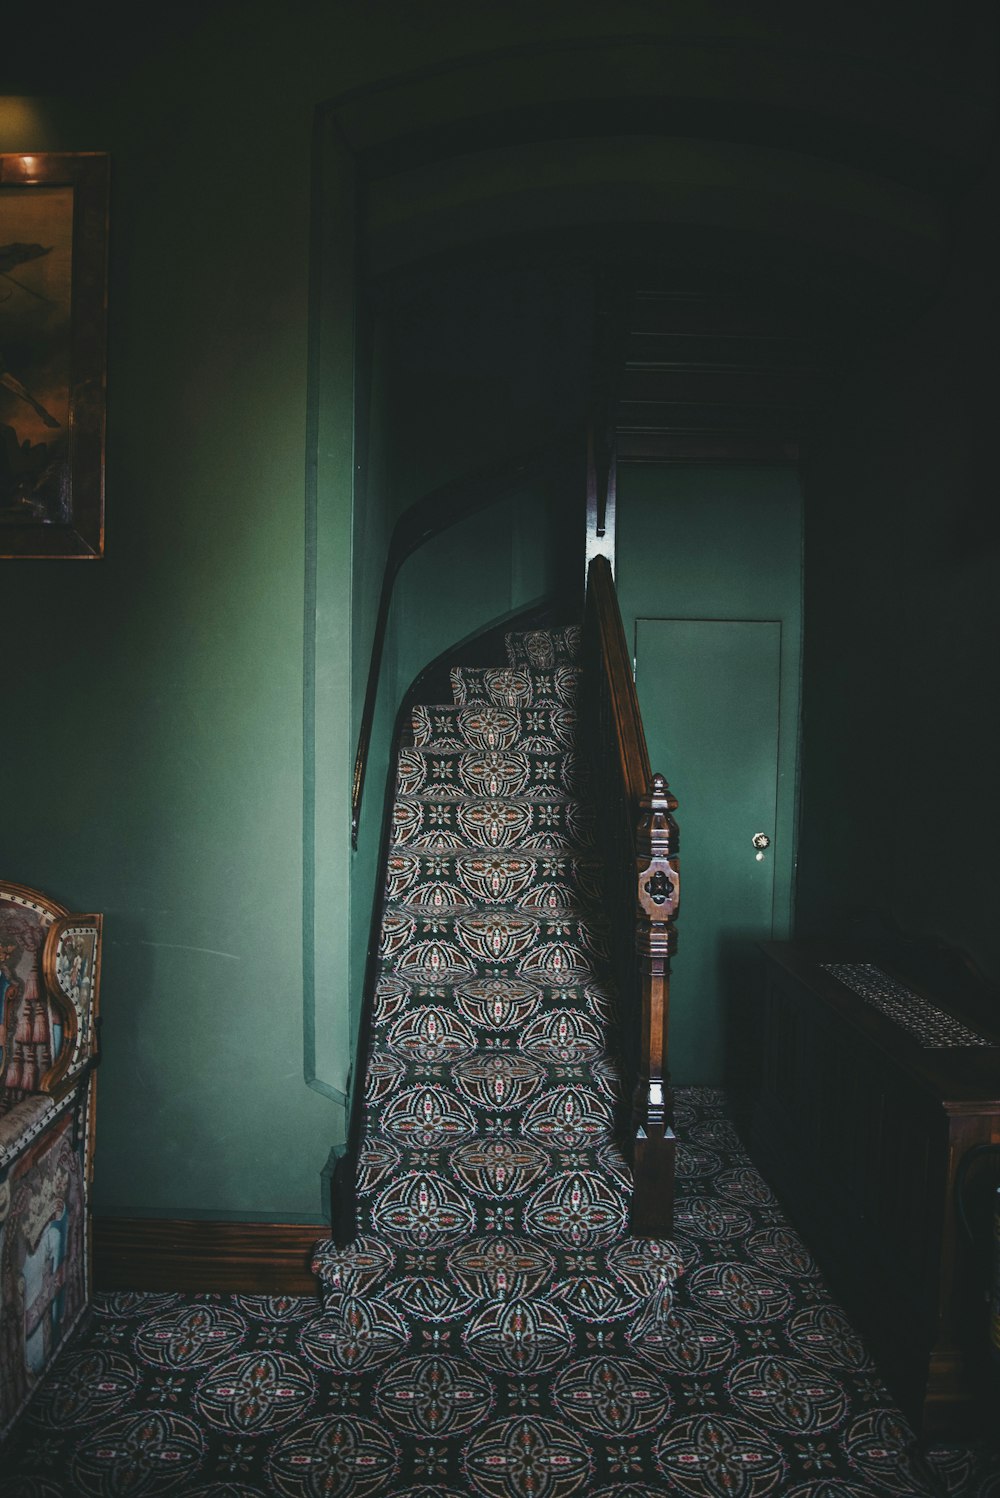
(255, 1258)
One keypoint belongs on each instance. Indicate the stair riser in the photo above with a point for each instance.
(514, 687)
(544, 648)
(488, 773)
(492, 1005)
(538, 730)
(502, 938)
(535, 827)
(466, 880)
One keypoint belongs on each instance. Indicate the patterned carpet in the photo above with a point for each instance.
(495, 1331)
(493, 1188)
(755, 1384)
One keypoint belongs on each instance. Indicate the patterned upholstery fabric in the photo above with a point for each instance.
(49, 972)
(27, 1022)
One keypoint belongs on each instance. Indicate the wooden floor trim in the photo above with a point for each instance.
(255, 1258)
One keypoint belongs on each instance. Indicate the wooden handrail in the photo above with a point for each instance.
(427, 517)
(640, 849)
(630, 736)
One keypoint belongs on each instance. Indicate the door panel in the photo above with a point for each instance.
(711, 695)
(709, 576)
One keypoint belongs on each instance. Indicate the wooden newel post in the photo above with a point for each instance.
(658, 874)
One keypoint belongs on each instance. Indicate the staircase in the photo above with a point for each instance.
(492, 1190)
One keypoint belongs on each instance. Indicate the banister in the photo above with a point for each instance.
(640, 846)
(626, 717)
(427, 517)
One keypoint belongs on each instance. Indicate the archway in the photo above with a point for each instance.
(773, 182)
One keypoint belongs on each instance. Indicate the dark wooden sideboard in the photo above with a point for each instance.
(859, 1125)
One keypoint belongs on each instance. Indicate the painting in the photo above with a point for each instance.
(53, 340)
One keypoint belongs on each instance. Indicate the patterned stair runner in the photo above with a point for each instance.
(493, 1192)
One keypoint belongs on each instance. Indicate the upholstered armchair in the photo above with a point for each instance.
(50, 965)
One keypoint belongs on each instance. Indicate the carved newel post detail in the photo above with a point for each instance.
(657, 842)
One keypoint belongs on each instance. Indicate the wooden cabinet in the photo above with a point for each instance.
(859, 1124)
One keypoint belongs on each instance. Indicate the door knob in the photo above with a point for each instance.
(760, 841)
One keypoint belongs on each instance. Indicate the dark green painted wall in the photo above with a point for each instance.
(716, 543)
(157, 773)
(153, 750)
(900, 809)
(156, 770)
(465, 368)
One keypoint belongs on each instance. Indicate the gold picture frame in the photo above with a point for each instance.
(53, 353)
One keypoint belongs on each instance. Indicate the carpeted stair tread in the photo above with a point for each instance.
(548, 901)
(527, 941)
(544, 648)
(513, 772)
(514, 686)
(565, 827)
(543, 730)
(495, 1005)
(489, 878)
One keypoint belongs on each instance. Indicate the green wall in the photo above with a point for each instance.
(160, 770)
(156, 770)
(464, 368)
(156, 751)
(713, 543)
(903, 620)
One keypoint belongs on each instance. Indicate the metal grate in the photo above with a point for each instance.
(934, 1028)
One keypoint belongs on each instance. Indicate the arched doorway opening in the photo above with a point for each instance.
(449, 219)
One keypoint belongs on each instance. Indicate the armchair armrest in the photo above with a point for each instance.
(71, 965)
(50, 963)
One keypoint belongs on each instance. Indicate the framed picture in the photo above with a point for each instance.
(53, 344)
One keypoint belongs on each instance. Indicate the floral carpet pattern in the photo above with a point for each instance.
(756, 1383)
(493, 1189)
(495, 1331)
